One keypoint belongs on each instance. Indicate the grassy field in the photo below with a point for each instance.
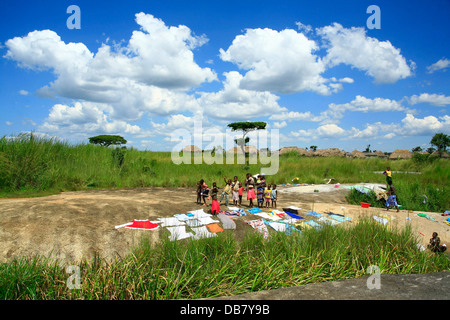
(212, 267)
(32, 166)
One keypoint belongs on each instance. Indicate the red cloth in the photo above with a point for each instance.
(215, 206)
(142, 224)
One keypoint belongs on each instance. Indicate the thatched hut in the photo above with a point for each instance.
(331, 152)
(247, 149)
(358, 154)
(400, 154)
(192, 148)
(300, 151)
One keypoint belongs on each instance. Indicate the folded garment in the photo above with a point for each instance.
(339, 218)
(206, 220)
(282, 227)
(267, 216)
(291, 221)
(290, 229)
(328, 220)
(139, 224)
(313, 213)
(193, 223)
(259, 226)
(336, 214)
(303, 225)
(233, 208)
(254, 210)
(227, 222)
(276, 213)
(199, 213)
(214, 227)
(183, 216)
(239, 212)
(202, 232)
(291, 210)
(178, 233)
(314, 224)
(380, 220)
(172, 221)
(293, 215)
(277, 226)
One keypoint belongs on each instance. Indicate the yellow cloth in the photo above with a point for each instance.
(227, 189)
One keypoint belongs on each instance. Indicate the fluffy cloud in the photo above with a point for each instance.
(235, 103)
(380, 59)
(296, 116)
(442, 64)
(327, 131)
(426, 126)
(363, 104)
(82, 119)
(278, 61)
(439, 100)
(147, 75)
(409, 126)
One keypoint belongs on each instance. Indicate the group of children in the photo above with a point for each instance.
(234, 189)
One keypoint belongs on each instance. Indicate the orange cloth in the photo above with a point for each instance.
(214, 228)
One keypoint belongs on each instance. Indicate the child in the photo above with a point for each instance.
(273, 196)
(435, 244)
(392, 197)
(226, 191)
(267, 194)
(215, 206)
(250, 187)
(199, 193)
(204, 192)
(241, 191)
(388, 174)
(235, 188)
(260, 191)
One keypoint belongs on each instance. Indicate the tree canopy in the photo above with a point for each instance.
(247, 126)
(107, 140)
(441, 141)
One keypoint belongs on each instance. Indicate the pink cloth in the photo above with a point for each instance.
(251, 194)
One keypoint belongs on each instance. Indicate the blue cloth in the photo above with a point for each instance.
(392, 201)
(254, 210)
(339, 218)
(313, 213)
(314, 224)
(293, 215)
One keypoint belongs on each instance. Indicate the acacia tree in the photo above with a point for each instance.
(246, 127)
(107, 140)
(441, 141)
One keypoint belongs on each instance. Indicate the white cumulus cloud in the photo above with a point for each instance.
(379, 59)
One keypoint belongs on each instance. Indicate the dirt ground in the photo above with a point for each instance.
(74, 225)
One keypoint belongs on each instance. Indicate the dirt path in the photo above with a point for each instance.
(74, 225)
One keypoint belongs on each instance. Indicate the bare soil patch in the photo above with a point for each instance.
(74, 225)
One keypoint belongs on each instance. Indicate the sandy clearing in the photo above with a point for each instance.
(74, 225)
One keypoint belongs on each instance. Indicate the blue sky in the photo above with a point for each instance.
(313, 70)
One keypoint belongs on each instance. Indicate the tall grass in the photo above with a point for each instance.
(212, 267)
(30, 164)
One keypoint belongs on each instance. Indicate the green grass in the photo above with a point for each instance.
(30, 166)
(212, 267)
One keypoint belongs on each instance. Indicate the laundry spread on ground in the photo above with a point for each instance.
(198, 224)
(139, 224)
(259, 226)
